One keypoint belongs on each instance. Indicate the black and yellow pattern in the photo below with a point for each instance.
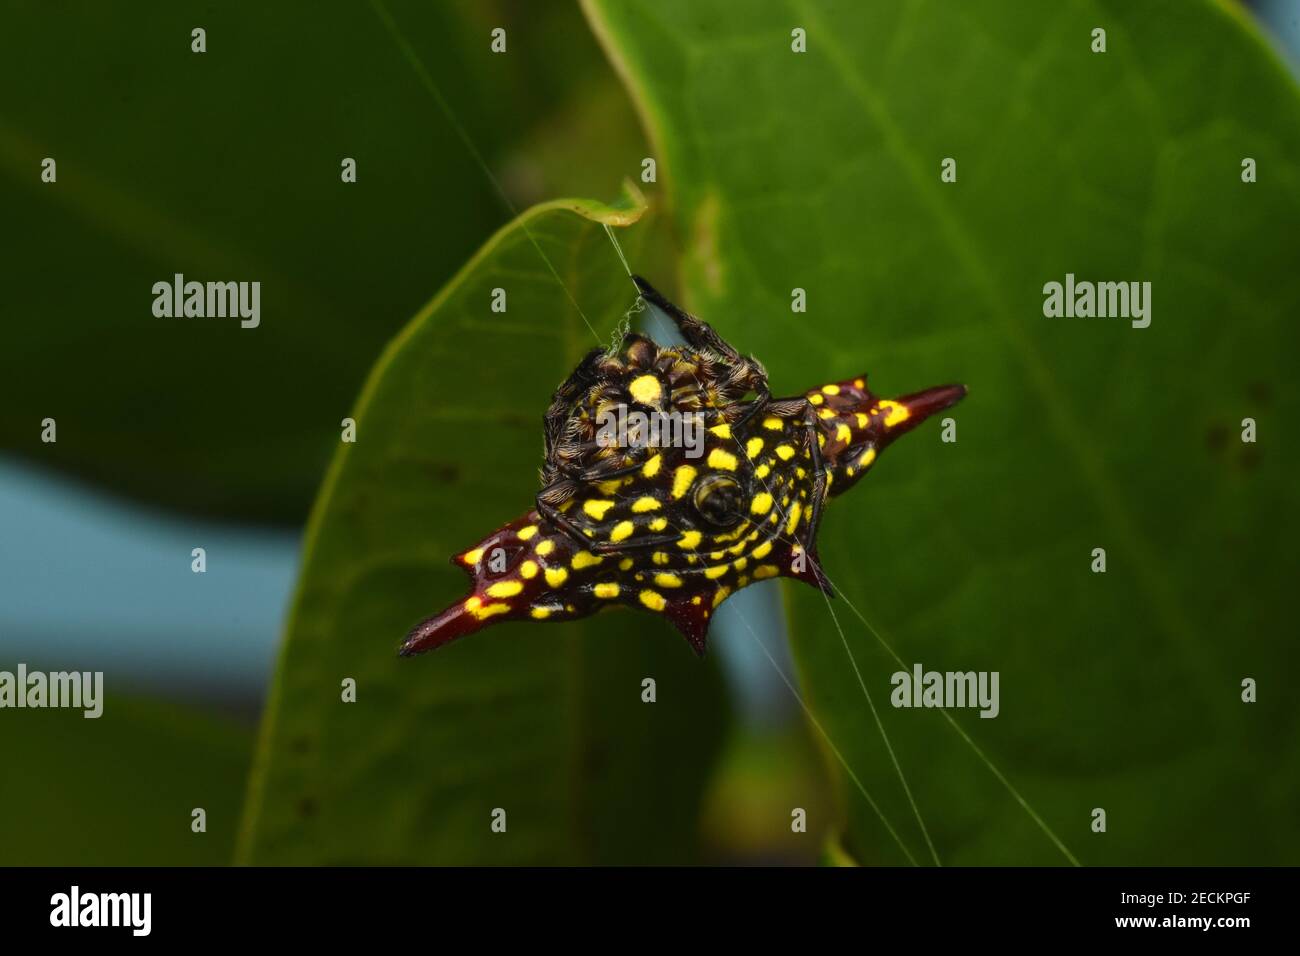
(666, 528)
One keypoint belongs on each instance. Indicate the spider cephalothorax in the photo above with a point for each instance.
(665, 487)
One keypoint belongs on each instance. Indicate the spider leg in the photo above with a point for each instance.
(557, 518)
(639, 544)
(819, 494)
(698, 334)
(819, 471)
(579, 380)
(789, 407)
(753, 408)
(596, 474)
(561, 521)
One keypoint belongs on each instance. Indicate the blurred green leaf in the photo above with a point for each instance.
(544, 721)
(225, 165)
(119, 789)
(763, 775)
(821, 171)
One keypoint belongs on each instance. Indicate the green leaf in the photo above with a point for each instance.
(119, 789)
(226, 166)
(821, 171)
(543, 721)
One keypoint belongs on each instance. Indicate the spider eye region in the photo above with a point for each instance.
(719, 500)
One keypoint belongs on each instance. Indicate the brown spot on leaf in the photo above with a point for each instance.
(518, 420)
(444, 472)
(1261, 393)
(1216, 437)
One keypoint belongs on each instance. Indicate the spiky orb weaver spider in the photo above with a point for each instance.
(676, 530)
